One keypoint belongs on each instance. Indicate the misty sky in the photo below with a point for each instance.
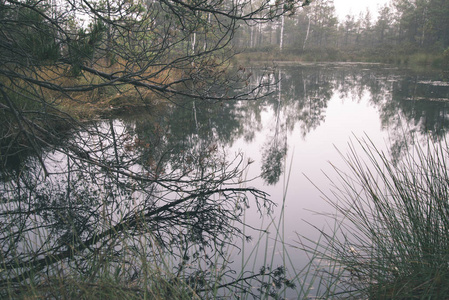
(354, 7)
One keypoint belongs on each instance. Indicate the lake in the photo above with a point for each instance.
(317, 112)
(289, 143)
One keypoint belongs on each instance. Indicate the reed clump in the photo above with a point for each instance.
(391, 234)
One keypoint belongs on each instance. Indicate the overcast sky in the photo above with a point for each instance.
(354, 7)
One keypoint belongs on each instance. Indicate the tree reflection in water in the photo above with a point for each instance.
(408, 104)
(122, 198)
(276, 148)
(140, 191)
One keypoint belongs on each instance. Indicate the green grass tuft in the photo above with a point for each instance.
(391, 239)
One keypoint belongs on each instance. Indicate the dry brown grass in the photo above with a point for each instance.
(105, 97)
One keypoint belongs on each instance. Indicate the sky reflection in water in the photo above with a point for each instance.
(389, 107)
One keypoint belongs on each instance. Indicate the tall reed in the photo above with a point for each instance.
(391, 239)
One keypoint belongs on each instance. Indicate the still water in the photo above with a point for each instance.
(303, 130)
(291, 140)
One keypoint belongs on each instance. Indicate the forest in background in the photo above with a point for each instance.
(403, 30)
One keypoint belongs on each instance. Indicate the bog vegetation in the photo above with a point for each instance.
(388, 238)
(109, 209)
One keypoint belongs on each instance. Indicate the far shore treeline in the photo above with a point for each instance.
(402, 31)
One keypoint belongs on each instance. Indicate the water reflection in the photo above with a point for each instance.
(174, 177)
(130, 184)
(407, 105)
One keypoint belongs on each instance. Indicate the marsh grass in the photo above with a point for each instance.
(140, 272)
(86, 95)
(390, 238)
